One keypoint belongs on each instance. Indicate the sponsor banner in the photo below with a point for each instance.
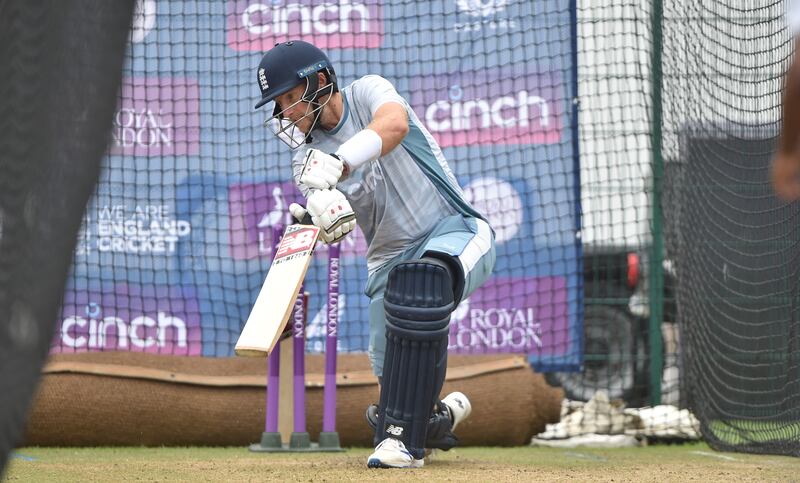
(157, 117)
(259, 25)
(500, 203)
(521, 315)
(508, 105)
(137, 229)
(128, 317)
(256, 208)
(487, 17)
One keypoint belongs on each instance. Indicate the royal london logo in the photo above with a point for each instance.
(157, 117)
(525, 315)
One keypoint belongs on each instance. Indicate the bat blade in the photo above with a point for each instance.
(276, 299)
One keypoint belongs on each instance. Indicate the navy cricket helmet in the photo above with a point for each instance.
(288, 64)
(284, 67)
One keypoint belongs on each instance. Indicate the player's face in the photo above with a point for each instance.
(295, 109)
(294, 117)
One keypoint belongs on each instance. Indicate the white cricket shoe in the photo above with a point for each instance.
(392, 453)
(459, 407)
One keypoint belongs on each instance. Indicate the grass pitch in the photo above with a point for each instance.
(695, 462)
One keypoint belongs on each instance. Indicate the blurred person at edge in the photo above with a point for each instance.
(785, 172)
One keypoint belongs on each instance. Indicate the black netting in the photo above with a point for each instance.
(177, 238)
(735, 244)
(61, 70)
(548, 114)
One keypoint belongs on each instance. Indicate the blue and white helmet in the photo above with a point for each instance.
(284, 67)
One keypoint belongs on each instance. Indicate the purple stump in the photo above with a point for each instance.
(329, 395)
(273, 384)
(298, 337)
(272, 390)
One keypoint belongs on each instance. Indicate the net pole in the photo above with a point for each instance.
(656, 269)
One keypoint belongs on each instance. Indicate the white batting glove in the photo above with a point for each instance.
(321, 170)
(331, 212)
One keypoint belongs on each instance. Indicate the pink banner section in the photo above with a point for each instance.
(157, 116)
(128, 317)
(255, 208)
(259, 25)
(509, 105)
(520, 315)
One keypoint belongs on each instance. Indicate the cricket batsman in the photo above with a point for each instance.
(361, 150)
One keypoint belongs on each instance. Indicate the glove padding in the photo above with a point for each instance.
(330, 212)
(321, 170)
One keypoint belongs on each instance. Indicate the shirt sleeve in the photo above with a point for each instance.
(793, 16)
(374, 91)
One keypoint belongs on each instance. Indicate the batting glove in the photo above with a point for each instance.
(321, 170)
(331, 212)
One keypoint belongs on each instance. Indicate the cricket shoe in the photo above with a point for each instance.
(447, 414)
(392, 453)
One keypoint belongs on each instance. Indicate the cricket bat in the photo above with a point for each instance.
(277, 297)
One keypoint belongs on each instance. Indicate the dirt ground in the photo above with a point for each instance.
(695, 462)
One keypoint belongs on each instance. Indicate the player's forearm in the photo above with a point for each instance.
(790, 128)
(391, 124)
(386, 131)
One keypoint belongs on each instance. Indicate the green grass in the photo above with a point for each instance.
(655, 463)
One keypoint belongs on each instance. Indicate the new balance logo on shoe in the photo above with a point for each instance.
(394, 430)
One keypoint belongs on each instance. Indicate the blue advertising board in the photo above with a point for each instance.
(176, 241)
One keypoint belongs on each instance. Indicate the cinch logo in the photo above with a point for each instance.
(115, 333)
(257, 26)
(130, 318)
(528, 315)
(502, 106)
(157, 117)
